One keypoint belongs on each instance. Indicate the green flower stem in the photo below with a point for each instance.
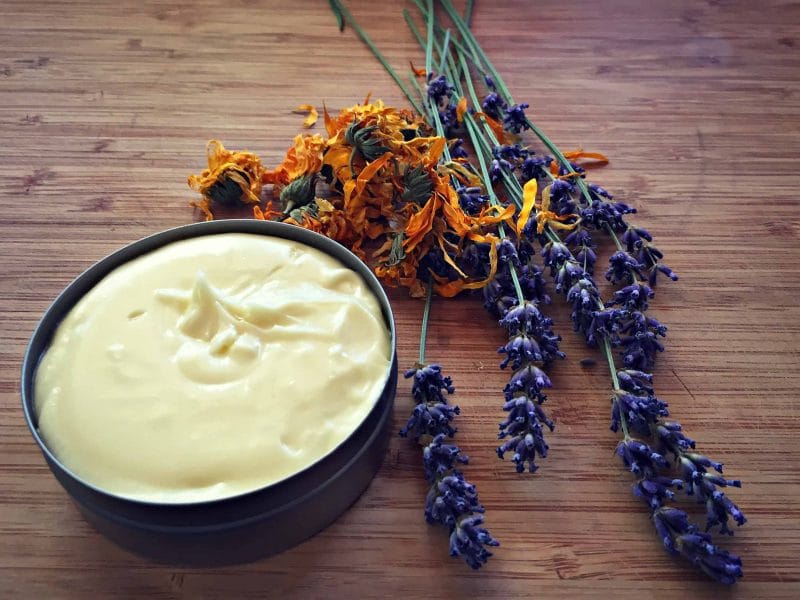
(429, 44)
(614, 237)
(615, 381)
(445, 49)
(343, 15)
(468, 12)
(423, 332)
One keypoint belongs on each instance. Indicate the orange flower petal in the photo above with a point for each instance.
(417, 72)
(330, 127)
(496, 127)
(461, 109)
(447, 258)
(312, 117)
(528, 200)
(598, 158)
(421, 223)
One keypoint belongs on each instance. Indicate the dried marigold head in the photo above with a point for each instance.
(303, 158)
(231, 179)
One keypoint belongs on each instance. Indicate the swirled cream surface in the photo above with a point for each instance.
(211, 367)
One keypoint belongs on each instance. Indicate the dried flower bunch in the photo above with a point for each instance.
(448, 198)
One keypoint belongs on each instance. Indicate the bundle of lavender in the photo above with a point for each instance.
(451, 198)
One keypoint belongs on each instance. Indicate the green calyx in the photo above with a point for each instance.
(397, 253)
(298, 193)
(230, 188)
(417, 186)
(364, 143)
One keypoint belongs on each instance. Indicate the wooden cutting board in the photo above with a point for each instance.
(105, 108)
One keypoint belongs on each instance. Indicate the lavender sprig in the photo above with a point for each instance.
(636, 408)
(451, 500)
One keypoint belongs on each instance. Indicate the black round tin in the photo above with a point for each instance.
(245, 527)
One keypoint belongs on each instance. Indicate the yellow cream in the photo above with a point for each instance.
(211, 367)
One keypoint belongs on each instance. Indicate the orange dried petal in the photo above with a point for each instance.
(312, 117)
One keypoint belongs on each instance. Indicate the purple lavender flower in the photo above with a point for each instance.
(595, 191)
(672, 439)
(450, 497)
(507, 254)
(524, 426)
(453, 502)
(434, 261)
(602, 324)
(432, 415)
(457, 149)
(449, 118)
(439, 458)
(702, 484)
(646, 464)
(563, 267)
(681, 537)
(489, 82)
(471, 200)
(600, 214)
(530, 381)
(634, 237)
(469, 539)
(633, 297)
(440, 90)
(639, 341)
(430, 420)
(623, 268)
(637, 241)
(584, 297)
(494, 106)
(428, 383)
(500, 295)
(523, 348)
(514, 119)
(555, 254)
(531, 280)
(561, 200)
(512, 153)
(534, 167)
(475, 259)
(639, 411)
(497, 168)
(636, 382)
(580, 242)
(523, 318)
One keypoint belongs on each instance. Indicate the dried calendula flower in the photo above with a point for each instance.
(231, 179)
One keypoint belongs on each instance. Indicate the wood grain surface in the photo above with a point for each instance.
(105, 108)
